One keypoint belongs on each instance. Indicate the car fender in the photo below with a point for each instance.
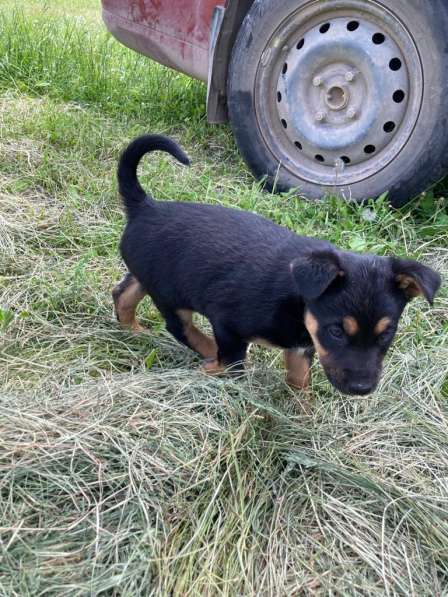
(224, 28)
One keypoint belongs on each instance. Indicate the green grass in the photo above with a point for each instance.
(123, 469)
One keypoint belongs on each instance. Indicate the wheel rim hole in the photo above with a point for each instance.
(345, 159)
(353, 25)
(378, 38)
(399, 96)
(389, 127)
(395, 64)
(324, 28)
(285, 68)
(300, 44)
(298, 145)
(279, 96)
(320, 158)
(284, 123)
(369, 149)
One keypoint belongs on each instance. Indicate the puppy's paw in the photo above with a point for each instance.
(298, 382)
(136, 329)
(212, 366)
(133, 327)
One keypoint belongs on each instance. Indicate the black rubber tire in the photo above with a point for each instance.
(424, 159)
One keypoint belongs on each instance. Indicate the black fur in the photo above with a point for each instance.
(254, 279)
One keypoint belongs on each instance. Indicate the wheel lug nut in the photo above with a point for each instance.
(320, 116)
(351, 113)
(317, 81)
(349, 76)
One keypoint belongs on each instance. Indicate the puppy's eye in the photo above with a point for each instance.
(386, 336)
(336, 332)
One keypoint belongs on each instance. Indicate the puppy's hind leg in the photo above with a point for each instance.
(197, 340)
(127, 295)
(180, 325)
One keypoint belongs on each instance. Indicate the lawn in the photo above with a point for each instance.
(123, 469)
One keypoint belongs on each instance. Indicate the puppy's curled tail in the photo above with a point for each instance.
(130, 189)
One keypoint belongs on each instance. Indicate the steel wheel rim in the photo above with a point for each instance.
(338, 92)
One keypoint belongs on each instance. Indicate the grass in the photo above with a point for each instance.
(124, 470)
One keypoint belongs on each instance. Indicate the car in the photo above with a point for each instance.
(345, 96)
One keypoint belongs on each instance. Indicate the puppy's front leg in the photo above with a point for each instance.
(231, 352)
(298, 367)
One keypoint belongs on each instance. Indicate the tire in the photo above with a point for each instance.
(344, 96)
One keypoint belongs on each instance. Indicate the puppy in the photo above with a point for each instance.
(256, 281)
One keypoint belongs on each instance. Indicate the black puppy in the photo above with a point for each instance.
(258, 282)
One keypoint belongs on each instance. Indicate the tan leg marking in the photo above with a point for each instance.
(127, 296)
(198, 341)
(298, 374)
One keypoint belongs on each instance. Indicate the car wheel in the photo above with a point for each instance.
(345, 96)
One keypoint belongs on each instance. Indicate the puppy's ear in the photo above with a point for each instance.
(416, 279)
(314, 272)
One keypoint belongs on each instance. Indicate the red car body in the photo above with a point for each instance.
(200, 37)
(175, 33)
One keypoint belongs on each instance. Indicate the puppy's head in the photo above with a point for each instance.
(352, 307)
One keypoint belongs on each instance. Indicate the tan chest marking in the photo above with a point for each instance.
(263, 342)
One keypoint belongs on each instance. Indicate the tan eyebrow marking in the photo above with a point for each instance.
(382, 325)
(351, 326)
(312, 326)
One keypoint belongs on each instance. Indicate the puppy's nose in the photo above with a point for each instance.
(361, 388)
